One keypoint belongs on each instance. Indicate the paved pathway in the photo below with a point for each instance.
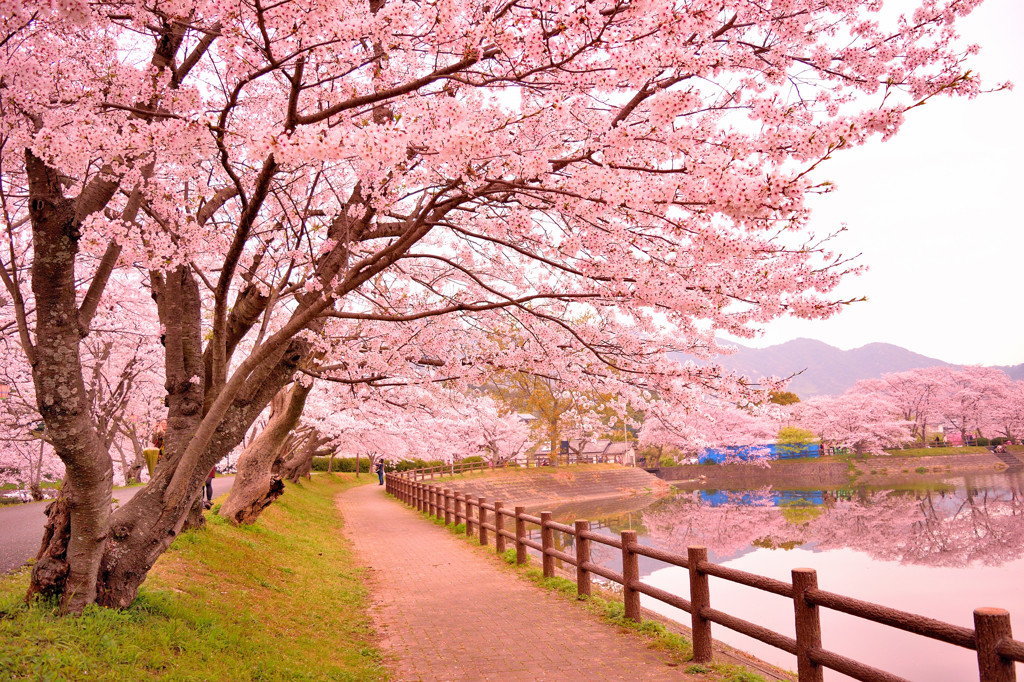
(448, 612)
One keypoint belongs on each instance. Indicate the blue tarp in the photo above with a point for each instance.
(718, 498)
(718, 455)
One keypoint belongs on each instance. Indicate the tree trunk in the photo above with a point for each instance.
(195, 519)
(298, 461)
(255, 485)
(50, 569)
(60, 392)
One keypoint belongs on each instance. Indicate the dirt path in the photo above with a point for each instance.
(447, 612)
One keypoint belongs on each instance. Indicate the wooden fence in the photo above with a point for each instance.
(536, 460)
(991, 636)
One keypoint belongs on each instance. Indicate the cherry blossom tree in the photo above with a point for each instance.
(863, 422)
(496, 436)
(714, 425)
(915, 393)
(970, 399)
(268, 168)
(1009, 412)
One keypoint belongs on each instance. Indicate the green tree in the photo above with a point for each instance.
(783, 397)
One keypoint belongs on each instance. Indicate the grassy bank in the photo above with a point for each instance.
(280, 600)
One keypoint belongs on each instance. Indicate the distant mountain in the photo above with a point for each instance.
(827, 370)
(1016, 372)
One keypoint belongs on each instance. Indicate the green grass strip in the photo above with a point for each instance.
(280, 600)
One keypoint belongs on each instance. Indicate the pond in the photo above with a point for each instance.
(940, 548)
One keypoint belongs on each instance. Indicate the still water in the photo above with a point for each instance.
(939, 548)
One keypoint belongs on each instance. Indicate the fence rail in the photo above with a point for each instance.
(991, 637)
(529, 461)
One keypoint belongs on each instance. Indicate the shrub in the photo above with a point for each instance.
(342, 464)
(983, 442)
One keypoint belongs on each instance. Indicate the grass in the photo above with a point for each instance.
(280, 600)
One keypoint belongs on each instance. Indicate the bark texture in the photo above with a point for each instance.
(61, 395)
(256, 485)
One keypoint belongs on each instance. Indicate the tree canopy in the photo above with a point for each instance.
(373, 192)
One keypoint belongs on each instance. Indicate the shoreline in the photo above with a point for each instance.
(831, 472)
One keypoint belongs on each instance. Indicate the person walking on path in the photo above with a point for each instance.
(209, 488)
(448, 612)
(379, 468)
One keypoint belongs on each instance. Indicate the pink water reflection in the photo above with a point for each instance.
(937, 551)
(949, 594)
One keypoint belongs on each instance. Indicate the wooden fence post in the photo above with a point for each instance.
(521, 555)
(458, 508)
(630, 575)
(469, 515)
(991, 627)
(808, 625)
(700, 597)
(482, 515)
(441, 503)
(499, 527)
(447, 510)
(547, 538)
(582, 557)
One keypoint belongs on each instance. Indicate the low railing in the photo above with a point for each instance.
(991, 637)
(536, 460)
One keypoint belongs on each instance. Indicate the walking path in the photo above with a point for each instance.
(447, 612)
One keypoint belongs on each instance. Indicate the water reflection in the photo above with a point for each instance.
(939, 548)
(943, 523)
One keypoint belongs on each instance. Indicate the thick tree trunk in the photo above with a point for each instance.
(255, 485)
(195, 519)
(60, 392)
(144, 528)
(50, 570)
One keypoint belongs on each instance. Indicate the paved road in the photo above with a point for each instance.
(21, 525)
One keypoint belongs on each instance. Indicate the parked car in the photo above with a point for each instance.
(19, 495)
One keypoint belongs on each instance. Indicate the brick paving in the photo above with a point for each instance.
(448, 612)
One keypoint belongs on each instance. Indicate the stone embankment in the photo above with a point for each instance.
(551, 485)
(781, 474)
(895, 469)
(879, 470)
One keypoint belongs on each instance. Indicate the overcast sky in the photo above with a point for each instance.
(937, 213)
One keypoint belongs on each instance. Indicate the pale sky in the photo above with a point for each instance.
(934, 211)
